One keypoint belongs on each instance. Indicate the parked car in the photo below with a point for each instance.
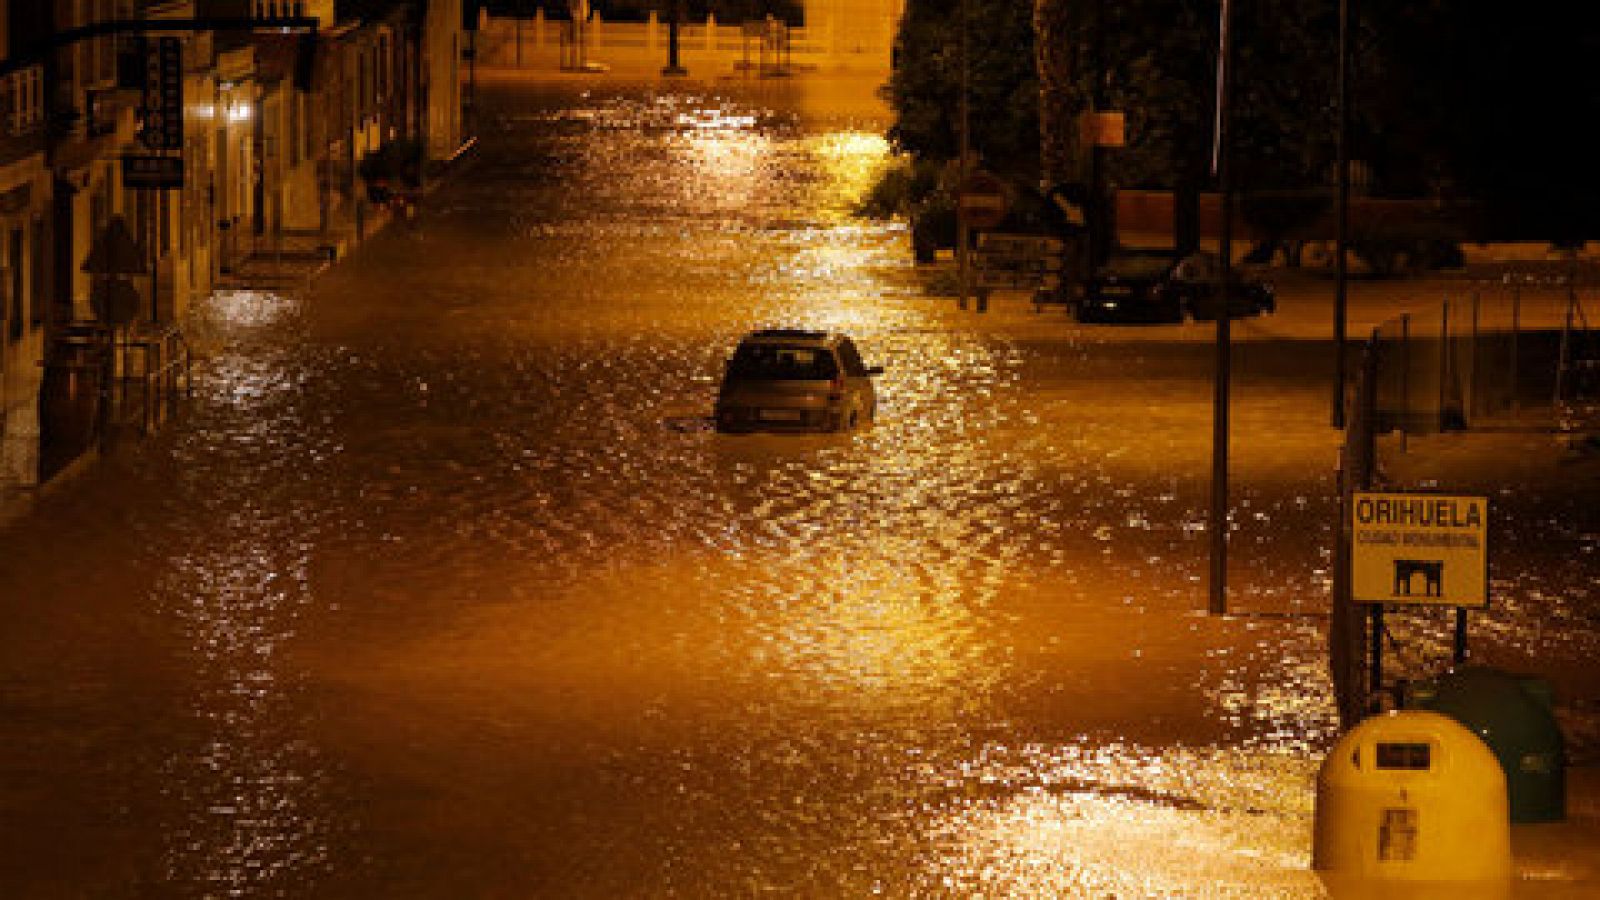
(1156, 286)
(789, 380)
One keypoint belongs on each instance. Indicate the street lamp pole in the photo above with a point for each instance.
(963, 258)
(675, 13)
(1218, 519)
(1341, 240)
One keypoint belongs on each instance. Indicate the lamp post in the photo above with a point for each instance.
(1341, 238)
(963, 232)
(1218, 518)
(673, 67)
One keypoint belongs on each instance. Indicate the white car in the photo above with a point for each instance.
(786, 380)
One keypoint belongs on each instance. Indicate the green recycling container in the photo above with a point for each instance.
(1514, 715)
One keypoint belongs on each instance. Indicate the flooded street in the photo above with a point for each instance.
(443, 587)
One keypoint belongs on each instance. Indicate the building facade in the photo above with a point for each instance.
(275, 124)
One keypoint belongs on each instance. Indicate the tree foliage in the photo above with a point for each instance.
(1451, 100)
(1156, 60)
(1003, 87)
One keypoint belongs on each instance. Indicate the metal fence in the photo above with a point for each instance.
(1507, 356)
(1511, 357)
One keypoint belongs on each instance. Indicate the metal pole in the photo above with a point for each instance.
(1516, 329)
(963, 262)
(674, 67)
(1375, 670)
(1098, 210)
(1405, 378)
(1445, 372)
(1472, 359)
(1341, 215)
(1461, 635)
(1566, 347)
(1224, 352)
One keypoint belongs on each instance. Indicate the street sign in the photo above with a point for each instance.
(1018, 261)
(152, 173)
(1025, 245)
(1103, 129)
(1017, 280)
(161, 109)
(981, 201)
(1420, 549)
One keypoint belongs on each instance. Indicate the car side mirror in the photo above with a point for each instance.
(875, 370)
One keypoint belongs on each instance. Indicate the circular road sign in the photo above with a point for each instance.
(982, 200)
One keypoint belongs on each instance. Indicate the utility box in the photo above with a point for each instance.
(1515, 716)
(1408, 796)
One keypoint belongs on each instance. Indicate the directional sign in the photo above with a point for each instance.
(1021, 244)
(1103, 129)
(982, 200)
(152, 173)
(161, 110)
(1420, 549)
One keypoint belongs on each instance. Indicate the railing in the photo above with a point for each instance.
(1509, 355)
(164, 360)
(1498, 364)
(274, 9)
(287, 9)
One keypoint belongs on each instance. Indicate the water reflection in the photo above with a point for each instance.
(246, 781)
(249, 781)
(453, 613)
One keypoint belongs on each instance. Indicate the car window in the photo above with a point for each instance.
(851, 359)
(778, 362)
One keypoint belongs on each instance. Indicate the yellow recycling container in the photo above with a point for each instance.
(1412, 796)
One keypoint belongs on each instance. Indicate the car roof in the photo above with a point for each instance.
(791, 336)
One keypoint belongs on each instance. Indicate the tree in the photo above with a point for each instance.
(925, 88)
(1155, 60)
(1453, 100)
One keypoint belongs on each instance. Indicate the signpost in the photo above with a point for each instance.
(1418, 550)
(982, 201)
(1018, 262)
(1103, 129)
(152, 173)
(161, 109)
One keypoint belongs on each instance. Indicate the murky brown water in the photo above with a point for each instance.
(442, 589)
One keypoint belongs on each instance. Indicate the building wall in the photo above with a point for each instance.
(839, 36)
(443, 42)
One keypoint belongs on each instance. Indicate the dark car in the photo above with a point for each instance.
(1161, 287)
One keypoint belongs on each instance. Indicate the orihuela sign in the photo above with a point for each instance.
(1420, 549)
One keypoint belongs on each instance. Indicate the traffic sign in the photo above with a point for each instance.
(161, 108)
(982, 201)
(1420, 549)
(1107, 128)
(152, 173)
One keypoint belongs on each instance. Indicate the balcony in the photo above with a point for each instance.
(279, 9)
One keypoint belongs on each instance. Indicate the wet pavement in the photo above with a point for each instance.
(442, 588)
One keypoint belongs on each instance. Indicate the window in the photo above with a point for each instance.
(37, 275)
(774, 362)
(14, 284)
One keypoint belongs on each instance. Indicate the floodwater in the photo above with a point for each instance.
(440, 587)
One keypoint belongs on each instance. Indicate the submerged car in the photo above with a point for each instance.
(789, 380)
(1161, 287)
